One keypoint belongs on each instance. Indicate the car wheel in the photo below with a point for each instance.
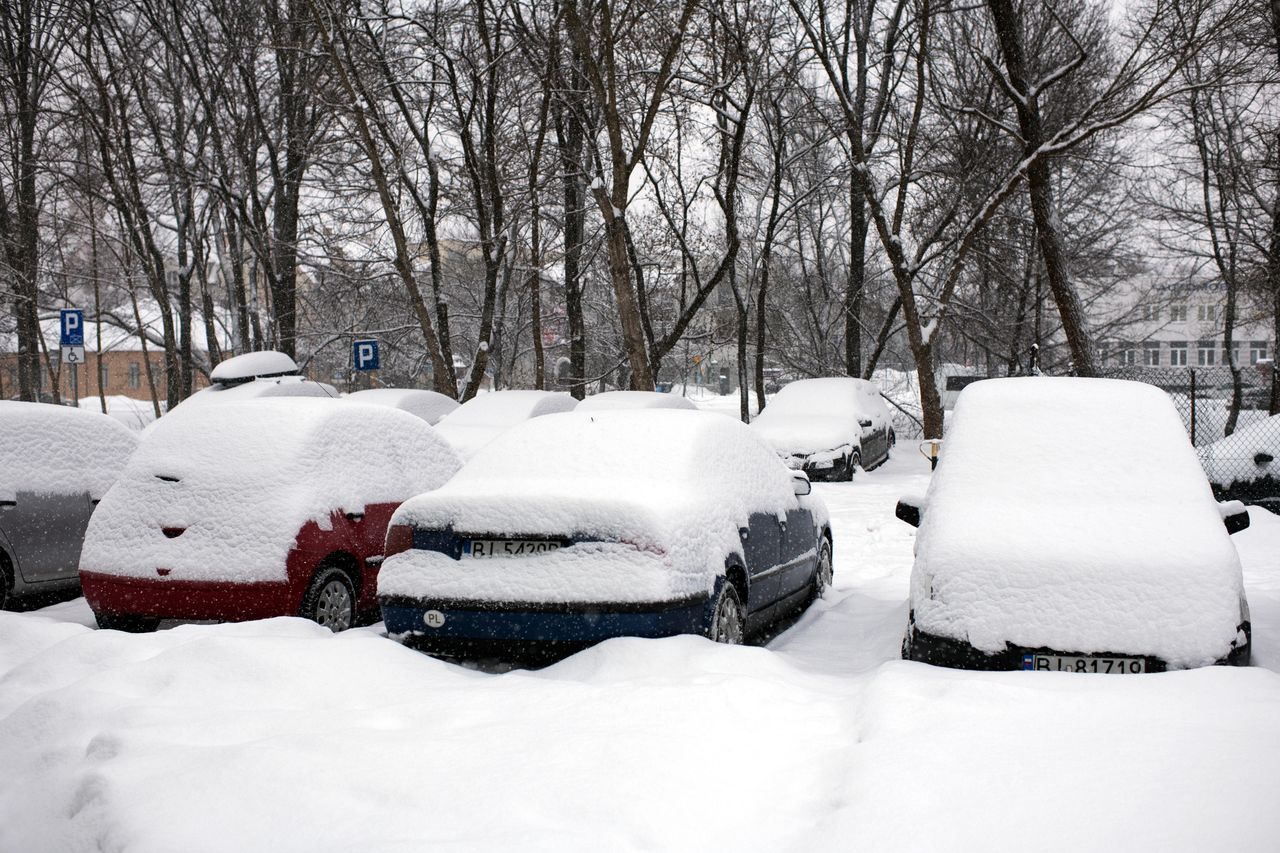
(6, 583)
(822, 574)
(127, 623)
(893, 439)
(330, 600)
(728, 619)
(850, 465)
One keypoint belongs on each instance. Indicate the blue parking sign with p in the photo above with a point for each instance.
(365, 354)
(72, 327)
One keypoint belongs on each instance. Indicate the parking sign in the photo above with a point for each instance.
(364, 354)
(72, 327)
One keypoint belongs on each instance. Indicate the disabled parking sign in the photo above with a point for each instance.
(364, 354)
(72, 327)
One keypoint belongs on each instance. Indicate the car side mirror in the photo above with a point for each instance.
(864, 423)
(801, 485)
(908, 511)
(1234, 515)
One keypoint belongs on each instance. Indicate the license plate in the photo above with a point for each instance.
(825, 463)
(508, 547)
(1067, 663)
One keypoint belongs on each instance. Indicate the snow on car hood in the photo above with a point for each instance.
(1073, 514)
(674, 486)
(805, 435)
(243, 478)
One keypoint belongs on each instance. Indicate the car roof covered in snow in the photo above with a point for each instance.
(242, 368)
(633, 400)
(244, 477)
(431, 406)
(1073, 514)
(485, 416)
(59, 449)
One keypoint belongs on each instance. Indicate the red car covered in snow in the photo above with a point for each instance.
(257, 509)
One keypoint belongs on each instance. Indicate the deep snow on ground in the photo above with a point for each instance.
(279, 736)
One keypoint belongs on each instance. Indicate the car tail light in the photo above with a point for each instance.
(399, 538)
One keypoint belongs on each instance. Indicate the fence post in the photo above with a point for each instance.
(1193, 407)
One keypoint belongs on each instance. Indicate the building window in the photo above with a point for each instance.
(1178, 354)
(1206, 353)
(1207, 313)
(1151, 354)
(1177, 313)
(135, 374)
(1257, 351)
(1151, 313)
(1128, 355)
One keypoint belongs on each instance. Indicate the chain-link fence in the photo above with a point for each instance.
(1244, 465)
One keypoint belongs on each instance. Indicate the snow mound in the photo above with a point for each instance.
(431, 406)
(815, 415)
(58, 450)
(253, 364)
(486, 416)
(673, 487)
(243, 478)
(1073, 514)
(610, 400)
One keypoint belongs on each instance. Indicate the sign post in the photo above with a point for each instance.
(71, 342)
(365, 355)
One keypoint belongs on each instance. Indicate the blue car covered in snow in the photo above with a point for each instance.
(575, 528)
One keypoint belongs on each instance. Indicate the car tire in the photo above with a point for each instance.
(728, 617)
(893, 441)
(6, 582)
(851, 463)
(330, 600)
(127, 623)
(823, 572)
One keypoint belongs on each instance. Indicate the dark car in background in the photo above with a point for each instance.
(56, 462)
(693, 526)
(828, 427)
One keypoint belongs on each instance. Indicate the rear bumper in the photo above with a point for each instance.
(228, 602)
(475, 628)
(957, 654)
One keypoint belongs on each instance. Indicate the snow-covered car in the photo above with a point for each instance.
(256, 509)
(828, 427)
(1069, 526)
(694, 526)
(1245, 465)
(486, 416)
(55, 464)
(255, 375)
(612, 400)
(431, 406)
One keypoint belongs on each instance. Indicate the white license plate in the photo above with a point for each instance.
(824, 463)
(1067, 663)
(508, 547)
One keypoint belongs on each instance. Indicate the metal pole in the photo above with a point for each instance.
(1193, 407)
(75, 383)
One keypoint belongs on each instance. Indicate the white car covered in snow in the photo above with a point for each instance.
(694, 526)
(431, 406)
(1069, 527)
(486, 416)
(615, 400)
(828, 427)
(1245, 465)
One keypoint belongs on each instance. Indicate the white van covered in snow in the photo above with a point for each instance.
(1069, 526)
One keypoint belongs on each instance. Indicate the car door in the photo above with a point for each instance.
(46, 532)
(799, 553)
(761, 548)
